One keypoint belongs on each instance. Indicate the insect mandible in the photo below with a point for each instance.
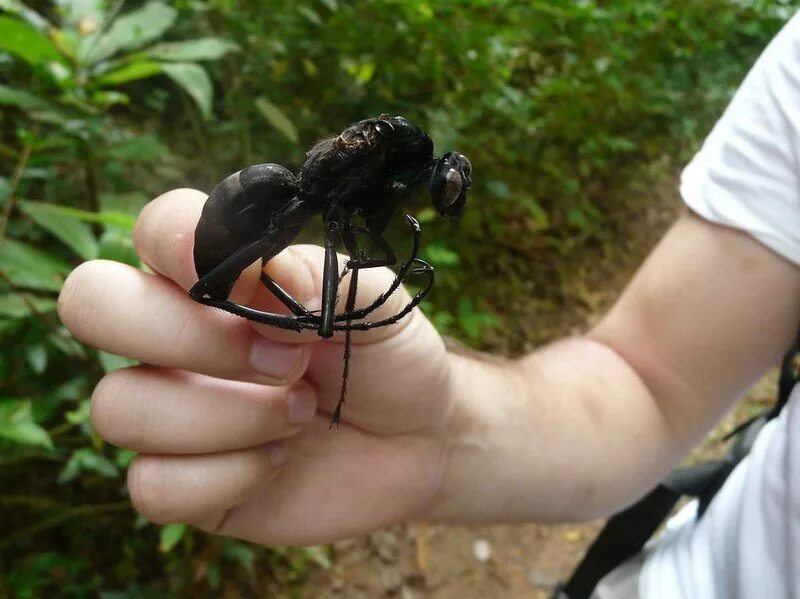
(367, 171)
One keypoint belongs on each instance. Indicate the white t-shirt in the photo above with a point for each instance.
(747, 176)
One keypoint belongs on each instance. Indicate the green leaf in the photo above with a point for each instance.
(277, 118)
(141, 69)
(10, 96)
(124, 457)
(132, 148)
(128, 32)
(110, 362)
(80, 414)
(170, 535)
(31, 268)
(20, 39)
(110, 98)
(310, 14)
(63, 225)
(86, 459)
(36, 356)
(5, 190)
(498, 189)
(118, 246)
(91, 12)
(204, 48)
(240, 553)
(22, 305)
(213, 575)
(441, 255)
(114, 218)
(426, 215)
(320, 555)
(17, 424)
(28, 15)
(130, 203)
(195, 81)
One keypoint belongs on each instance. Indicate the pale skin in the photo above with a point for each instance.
(230, 419)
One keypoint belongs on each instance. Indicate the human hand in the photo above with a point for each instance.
(230, 418)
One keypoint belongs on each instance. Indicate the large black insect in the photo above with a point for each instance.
(366, 171)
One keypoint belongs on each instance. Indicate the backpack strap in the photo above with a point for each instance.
(626, 533)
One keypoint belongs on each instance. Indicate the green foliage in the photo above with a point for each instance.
(104, 104)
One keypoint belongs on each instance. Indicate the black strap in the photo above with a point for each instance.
(626, 533)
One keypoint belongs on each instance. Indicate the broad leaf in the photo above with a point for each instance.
(195, 81)
(89, 13)
(128, 32)
(141, 69)
(204, 48)
(10, 96)
(171, 535)
(240, 553)
(114, 218)
(132, 202)
(20, 39)
(36, 356)
(277, 118)
(62, 224)
(29, 267)
(19, 305)
(17, 424)
(87, 460)
(110, 98)
(28, 15)
(117, 245)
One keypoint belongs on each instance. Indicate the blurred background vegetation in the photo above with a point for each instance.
(106, 104)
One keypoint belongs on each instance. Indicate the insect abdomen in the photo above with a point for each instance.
(237, 211)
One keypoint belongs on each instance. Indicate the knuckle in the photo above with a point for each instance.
(75, 304)
(68, 290)
(110, 413)
(147, 486)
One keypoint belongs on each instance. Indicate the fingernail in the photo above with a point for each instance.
(302, 404)
(277, 453)
(278, 360)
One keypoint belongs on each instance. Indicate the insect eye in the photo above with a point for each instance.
(466, 166)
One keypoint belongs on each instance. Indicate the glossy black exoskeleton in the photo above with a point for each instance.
(366, 171)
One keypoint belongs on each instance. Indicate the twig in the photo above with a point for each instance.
(44, 503)
(22, 163)
(62, 517)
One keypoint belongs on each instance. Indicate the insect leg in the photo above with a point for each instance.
(330, 279)
(421, 268)
(349, 305)
(281, 321)
(401, 275)
(226, 272)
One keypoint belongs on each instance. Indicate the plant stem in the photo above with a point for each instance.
(22, 163)
(44, 503)
(90, 172)
(91, 509)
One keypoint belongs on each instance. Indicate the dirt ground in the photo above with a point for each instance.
(427, 561)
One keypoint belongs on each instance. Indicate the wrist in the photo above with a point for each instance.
(471, 444)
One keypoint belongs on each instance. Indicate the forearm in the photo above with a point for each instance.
(582, 427)
(568, 432)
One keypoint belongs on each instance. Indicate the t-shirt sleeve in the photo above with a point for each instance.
(747, 173)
